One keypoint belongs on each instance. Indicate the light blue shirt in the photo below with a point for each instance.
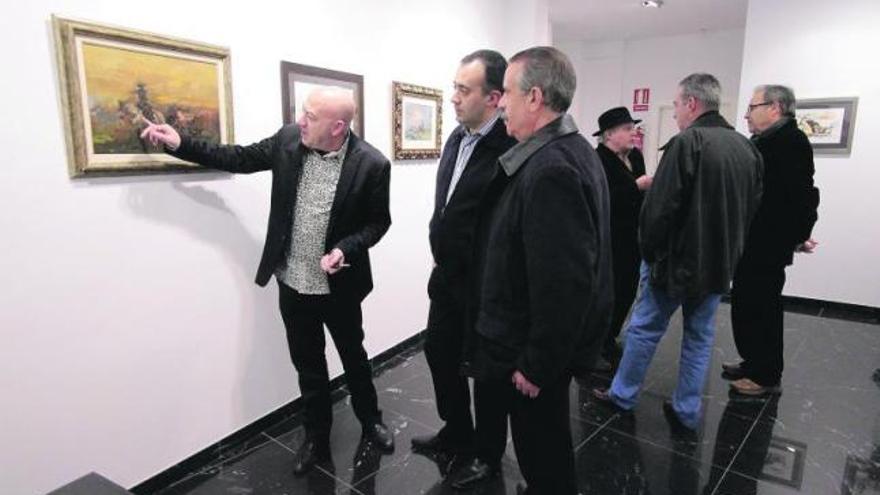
(466, 149)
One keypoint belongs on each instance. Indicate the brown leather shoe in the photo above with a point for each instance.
(603, 397)
(746, 386)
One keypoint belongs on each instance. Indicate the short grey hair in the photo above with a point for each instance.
(550, 70)
(783, 95)
(702, 87)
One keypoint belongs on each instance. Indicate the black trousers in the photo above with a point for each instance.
(491, 408)
(626, 283)
(757, 318)
(304, 318)
(541, 430)
(444, 341)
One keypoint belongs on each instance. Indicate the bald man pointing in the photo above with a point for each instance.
(329, 206)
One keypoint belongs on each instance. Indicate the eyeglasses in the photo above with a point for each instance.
(756, 105)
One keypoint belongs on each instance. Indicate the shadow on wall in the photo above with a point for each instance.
(203, 214)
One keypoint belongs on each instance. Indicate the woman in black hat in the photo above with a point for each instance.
(627, 182)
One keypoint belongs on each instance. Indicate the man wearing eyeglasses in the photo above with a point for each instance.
(781, 227)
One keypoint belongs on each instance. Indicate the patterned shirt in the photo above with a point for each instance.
(301, 270)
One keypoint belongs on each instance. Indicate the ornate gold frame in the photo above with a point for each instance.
(67, 31)
(401, 90)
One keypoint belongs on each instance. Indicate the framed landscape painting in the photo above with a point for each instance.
(828, 123)
(298, 80)
(114, 81)
(416, 121)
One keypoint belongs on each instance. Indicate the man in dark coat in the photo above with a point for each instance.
(543, 292)
(692, 231)
(467, 165)
(329, 206)
(627, 182)
(782, 226)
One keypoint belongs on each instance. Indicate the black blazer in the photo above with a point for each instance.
(359, 216)
(452, 227)
(789, 205)
(626, 199)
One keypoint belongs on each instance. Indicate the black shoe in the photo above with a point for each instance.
(473, 473)
(732, 371)
(309, 454)
(677, 428)
(379, 435)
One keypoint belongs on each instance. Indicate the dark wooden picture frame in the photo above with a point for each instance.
(829, 123)
(295, 75)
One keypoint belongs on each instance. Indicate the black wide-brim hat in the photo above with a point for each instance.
(613, 118)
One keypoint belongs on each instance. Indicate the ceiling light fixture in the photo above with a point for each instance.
(656, 4)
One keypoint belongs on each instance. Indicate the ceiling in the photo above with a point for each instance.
(614, 20)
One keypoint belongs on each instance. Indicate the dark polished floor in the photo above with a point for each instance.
(821, 436)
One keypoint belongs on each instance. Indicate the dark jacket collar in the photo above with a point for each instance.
(711, 119)
(707, 120)
(606, 151)
(774, 129)
(495, 136)
(513, 159)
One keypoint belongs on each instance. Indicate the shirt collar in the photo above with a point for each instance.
(513, 159)
(484, 129)
(338, 155)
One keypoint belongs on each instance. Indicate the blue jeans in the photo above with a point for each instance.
(648, 323)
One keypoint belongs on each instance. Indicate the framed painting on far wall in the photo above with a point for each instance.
(417, 118)
(829, 123)
(298, 80)
(114, 80)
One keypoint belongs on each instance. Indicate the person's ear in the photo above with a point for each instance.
(535, 98)
(494, 97)
(339, 127)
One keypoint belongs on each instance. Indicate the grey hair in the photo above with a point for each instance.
(603, 138)
(702, 87)
(550, 70)
(783, 95)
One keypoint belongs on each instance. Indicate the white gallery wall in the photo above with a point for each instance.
(133, 335)
(609, 71)
(828, 49)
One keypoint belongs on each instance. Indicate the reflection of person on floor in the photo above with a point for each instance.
(329, 206)
(781, 227)
(691, 233)
(754, 436)
(366, 464)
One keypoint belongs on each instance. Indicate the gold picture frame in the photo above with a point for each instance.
(417, 121)
(113, 79)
